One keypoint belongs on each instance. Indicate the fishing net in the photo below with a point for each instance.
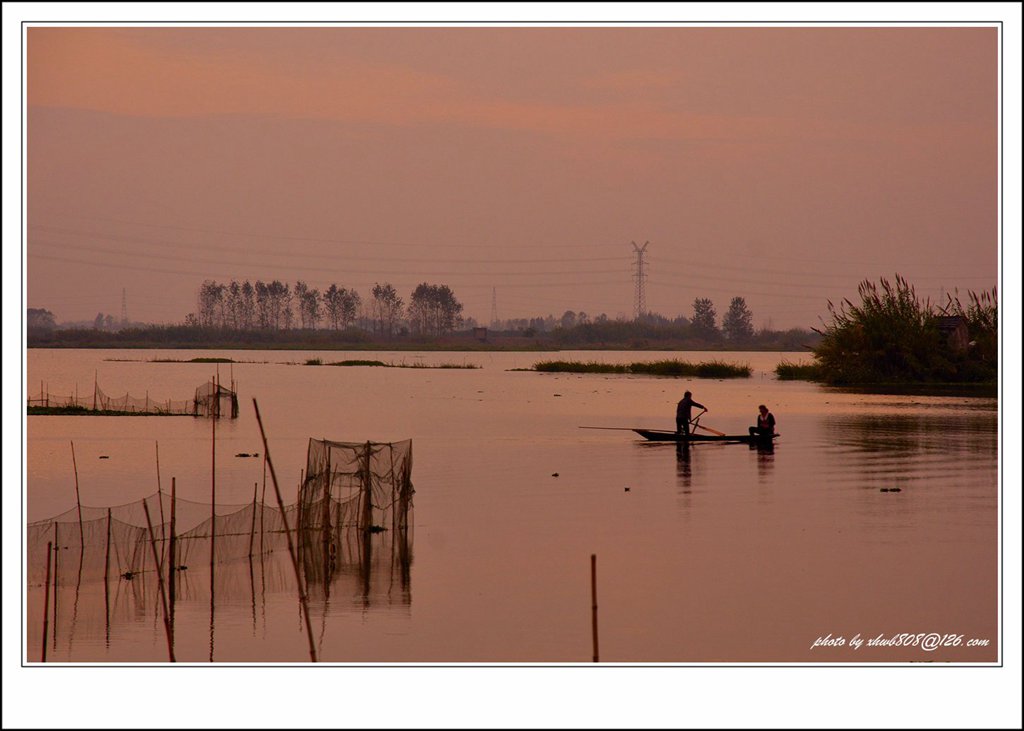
(352, 490)
(350, 527)
(115, 542)
(210, 399)
(102, 574)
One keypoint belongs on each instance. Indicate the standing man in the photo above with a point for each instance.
(683, 411)
(765, 423)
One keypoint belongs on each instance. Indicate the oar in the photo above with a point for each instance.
(628, 428)
(697, 425)
(616, 428)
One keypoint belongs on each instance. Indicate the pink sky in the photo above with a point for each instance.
(779, 164)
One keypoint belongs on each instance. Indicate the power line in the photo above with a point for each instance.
(289, 252)
(313, 239)
(295, 267)
(323, 282)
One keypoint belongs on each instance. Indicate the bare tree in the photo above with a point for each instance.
(233, 305)
(385, 308)
(433, 309)
(247, 311)
(263, 306)
(211, 298)
(350, 301)
(301, 290)
(332, 306)
(309, 306)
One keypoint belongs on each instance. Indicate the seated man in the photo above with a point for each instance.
(765, 423)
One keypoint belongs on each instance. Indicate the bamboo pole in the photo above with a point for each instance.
(46, 597)
(252, 528)
(291, 549)
(95, 388)
(106, 578)
(367, 517)
(106, 560)
(159, 496)
(299, 515)
(213, 496)
(78, 498)
(326, 527)
(56, 571)
(172, 556)
(160, 583)
(263, 500)
(593, 600)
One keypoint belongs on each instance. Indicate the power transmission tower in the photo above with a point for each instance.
(124, 308)
(494, 308)
(640, 277)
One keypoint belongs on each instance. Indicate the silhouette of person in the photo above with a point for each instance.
(765, 423)
(683, 413)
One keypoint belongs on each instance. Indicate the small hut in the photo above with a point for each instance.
(954, 332)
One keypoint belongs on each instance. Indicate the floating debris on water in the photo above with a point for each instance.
(554, 474)
(246, 454)
(104, 456)
(891, 489)
(626, 489)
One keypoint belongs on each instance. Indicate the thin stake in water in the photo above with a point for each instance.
(160, 583)
(288, 536)
(46, 597)
(593, 600)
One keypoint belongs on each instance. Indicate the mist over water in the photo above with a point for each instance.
(714, 553)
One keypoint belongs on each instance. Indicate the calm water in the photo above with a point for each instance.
(716, 553)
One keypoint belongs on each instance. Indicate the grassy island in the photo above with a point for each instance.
(669, 368)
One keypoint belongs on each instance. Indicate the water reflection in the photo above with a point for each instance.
(765, 459)
(965, 432)
(683, 466)
(373, 568)
(368, 571)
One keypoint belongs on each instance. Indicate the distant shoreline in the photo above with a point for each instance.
(413, 347)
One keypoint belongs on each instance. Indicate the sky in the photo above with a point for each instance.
(517, 165)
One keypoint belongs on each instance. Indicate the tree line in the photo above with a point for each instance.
(737, 326)
(433, 309)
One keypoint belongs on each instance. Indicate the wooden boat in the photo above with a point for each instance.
(659, 435)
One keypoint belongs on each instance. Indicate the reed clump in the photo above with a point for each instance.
(668, 368)
(787, 371)
(894, 337)
(191, 360)
(382, 364)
